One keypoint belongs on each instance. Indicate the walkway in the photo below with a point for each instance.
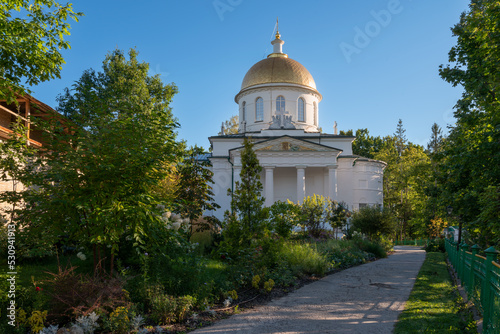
(363, 299)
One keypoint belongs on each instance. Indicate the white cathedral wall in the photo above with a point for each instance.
(315, 181)
(285, 184)
(220, 148)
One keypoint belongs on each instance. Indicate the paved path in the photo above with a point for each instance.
(365, 299)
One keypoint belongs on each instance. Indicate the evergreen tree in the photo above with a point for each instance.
(400, 137)
(436, 142)
(247, 200)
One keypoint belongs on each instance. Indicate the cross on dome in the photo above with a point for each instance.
(277, 44)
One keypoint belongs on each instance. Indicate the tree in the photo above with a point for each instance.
(32, 35)
(364, 144)
(373, 221)
(247, 203)
(94, 182)
(436, 142)
(406, 172)
(469, 174)
(194, 191)
(284, 216)
(231, 126)
(400, 137)
(337, 215)
(314, 213)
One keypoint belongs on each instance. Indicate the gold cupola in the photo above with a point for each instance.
(276, 69)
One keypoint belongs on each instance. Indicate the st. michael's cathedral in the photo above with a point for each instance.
(279, 109)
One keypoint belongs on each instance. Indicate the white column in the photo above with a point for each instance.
(332, 182)
(301, 183)
(269, 188)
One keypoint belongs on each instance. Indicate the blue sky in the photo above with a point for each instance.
(374, 61)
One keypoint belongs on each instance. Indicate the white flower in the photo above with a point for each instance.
(186, 221)
(175, 217)
(176, 225)
(81, 256)
(227, 302)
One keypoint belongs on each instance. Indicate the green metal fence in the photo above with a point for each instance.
(480, 276)
(411, 242)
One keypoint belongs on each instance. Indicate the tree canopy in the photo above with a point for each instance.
(32, 34)
(95, 180)
(470, 176)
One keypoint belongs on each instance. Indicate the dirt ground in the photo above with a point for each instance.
(363, 299)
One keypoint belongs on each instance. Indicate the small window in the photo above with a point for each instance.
(301, 110)
(243, 111)
(315, 114)
(280, 104)
(259, 110)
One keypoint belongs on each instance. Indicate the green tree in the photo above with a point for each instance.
(284, 216)
(194, 192)
(337, 215)
(435, 144)
(247, 204)
(373, 221)
(470, 177)
(94, 181)
(314, 213)
(364, 144)
(406, 172)
(32, 35)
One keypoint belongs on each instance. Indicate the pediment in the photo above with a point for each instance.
(290, 144)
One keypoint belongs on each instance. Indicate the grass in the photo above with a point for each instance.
(434, 305)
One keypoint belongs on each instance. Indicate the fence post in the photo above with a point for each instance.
(475, 250)
(461, 266)
(491, 256)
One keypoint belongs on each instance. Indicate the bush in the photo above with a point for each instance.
(303, 259)
(165, 308)
(373, 222)
(373, 248)
(313, 212)
(436, 245)
(284, 216)
(75, 294)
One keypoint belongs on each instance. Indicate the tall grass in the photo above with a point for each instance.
(304, 259)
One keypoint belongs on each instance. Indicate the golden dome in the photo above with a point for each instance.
(278, 70)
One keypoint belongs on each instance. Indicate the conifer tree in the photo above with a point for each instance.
(247, 199)
(248, 217)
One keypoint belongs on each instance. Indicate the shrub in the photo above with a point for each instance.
(373, 221)
(436, 245)
(303, 259)
(268, 286)
(284, 216)
(372, 247)
(75, 294)
(313, 213)
(166, 309)
(119, 320)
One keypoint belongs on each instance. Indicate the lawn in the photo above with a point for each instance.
(434, 305)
